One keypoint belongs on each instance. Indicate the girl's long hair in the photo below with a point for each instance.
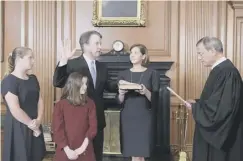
(71, 90)
(18, 52)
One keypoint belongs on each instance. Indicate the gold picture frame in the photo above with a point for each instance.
(127, 13)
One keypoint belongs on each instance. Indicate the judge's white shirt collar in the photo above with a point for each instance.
(218, 62)
(88, 60)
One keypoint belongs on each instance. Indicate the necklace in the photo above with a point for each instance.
(141, 76)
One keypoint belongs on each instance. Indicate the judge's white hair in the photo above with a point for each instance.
(211, 43)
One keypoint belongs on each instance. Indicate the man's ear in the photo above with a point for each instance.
(212, 51)
(85, 45)
(144, 57)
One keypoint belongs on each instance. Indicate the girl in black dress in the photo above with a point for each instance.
(23, 135)
(137, 114)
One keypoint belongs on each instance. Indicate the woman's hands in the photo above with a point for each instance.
(122, 92)
(83, 147)
(34, 126)
(142, 91)
(71, 154)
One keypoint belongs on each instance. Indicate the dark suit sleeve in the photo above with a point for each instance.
(60, 75)
(215, 116)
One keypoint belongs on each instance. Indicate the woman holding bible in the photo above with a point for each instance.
(138, 106)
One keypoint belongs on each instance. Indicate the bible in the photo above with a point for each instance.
(130, 86)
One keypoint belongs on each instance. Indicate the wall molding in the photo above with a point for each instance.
(236, 4)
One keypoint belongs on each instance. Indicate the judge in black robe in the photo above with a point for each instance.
(218, 113)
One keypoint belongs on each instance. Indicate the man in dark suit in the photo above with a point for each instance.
(90, 43)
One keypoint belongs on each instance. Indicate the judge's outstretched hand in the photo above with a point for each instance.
(191, 101)
(188, 105)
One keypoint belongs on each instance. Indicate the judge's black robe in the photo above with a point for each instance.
(218, 116)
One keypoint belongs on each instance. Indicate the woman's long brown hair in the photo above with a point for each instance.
(144, 51)
(71, 90)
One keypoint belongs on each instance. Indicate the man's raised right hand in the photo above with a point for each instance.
(65, 52)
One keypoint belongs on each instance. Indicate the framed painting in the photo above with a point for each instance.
(119, 13)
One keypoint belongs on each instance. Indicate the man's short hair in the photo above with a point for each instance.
(84, 38)
(211, 43)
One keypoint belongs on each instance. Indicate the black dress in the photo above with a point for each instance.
(137, 115)
(218, 115)
(19, 143)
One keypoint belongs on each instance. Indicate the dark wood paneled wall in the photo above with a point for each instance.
(171, 36)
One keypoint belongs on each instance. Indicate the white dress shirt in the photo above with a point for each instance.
(89, 62)
(218, 62)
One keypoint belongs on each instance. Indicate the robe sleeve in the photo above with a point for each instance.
(58, 127)
(215, 116)
(155, 89)
(60, 75)
(92, 131)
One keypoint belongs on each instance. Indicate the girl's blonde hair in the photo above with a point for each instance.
(18, 52)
